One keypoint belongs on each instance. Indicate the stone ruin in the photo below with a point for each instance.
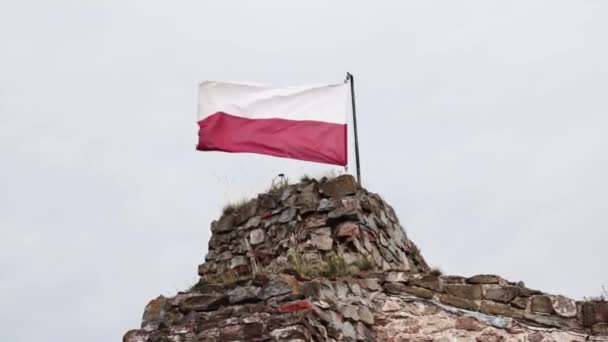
(310, 221)
(328, 261)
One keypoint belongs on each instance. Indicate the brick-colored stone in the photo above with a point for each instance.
(295, 306)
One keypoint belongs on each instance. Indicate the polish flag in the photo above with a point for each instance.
(305, 123)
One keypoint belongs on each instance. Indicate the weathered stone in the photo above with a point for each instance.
(226, 255)
(243, 294)
(136, 335)
(224, 224)
(484, 279)
(563, 306)
(526, 292)
(500, 309)
(322, 304)
(459, 302)
(339, 187)
(203, 302)
(355, 289)
(291, 333)
(430, 282)
(155, 313)
(267, 201)
(363, 333)
(469, 324)
(396, 277)
(308, 197)
(398, 288)
(334, 325)
(326, 204)
(232, 333)
(322, 242)
(315, 220)
(349, 332)
(238, 260)
(552, 321)
(253, 222)
(390, 306)
(322, 231)
(342, 213)
(351, 258)
(595, 312)
(287, 215)
(541, 304)
(274, 288)
(473, 292)
(371, 284)
(350, 312)
(245, 212)
(520, 303)
(341, 291)
(347, 229)
(253, 330)
(256, 236)
(365, 315)
(369, 221)
(498, 293)
(600, 328)
(452, 279)
(536, 337)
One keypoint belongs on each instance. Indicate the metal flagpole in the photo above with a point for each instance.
(351, 80)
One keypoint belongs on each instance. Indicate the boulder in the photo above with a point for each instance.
(339, 187)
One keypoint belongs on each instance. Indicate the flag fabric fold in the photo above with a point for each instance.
(305, 123)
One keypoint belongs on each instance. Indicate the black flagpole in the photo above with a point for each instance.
(351, 80)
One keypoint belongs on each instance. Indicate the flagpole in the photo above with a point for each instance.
(351, 80)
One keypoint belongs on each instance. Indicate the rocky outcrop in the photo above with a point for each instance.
(329, 261)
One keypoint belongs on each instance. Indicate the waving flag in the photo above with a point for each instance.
(305, 123)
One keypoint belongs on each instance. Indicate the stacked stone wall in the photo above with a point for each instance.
(370, 307)
(256, 283)
(310, 220)
(493, 295)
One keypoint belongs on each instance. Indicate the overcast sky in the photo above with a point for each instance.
(482, 122)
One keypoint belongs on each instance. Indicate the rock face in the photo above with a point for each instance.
(329, 261)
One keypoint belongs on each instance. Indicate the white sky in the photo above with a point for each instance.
(482, 122)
